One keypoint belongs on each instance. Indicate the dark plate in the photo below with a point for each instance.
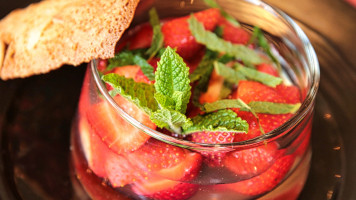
(36, 114)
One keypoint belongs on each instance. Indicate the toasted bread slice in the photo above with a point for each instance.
(49, 34)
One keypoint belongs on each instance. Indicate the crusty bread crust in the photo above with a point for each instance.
(48, 34)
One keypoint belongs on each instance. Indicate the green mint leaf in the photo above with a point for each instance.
(253, 74)
(223, 104)
(146, 68)
(222, 120)
(273, 108)
(157, 38)
(230, 75)
(140, 94)
(263, 43)
(171, 120)
(213, 42)
(172, 76)
(213, 4)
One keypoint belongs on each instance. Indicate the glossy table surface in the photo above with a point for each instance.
(36, 113)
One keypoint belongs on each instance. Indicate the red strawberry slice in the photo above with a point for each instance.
(266, 181)
(233, 34)
(177, 33)
(94, 149)
(254, 91)
(141, 38)
(213, 158)
(253, 161)
(290, 93)
(165, 189)
(118, 134)
(268, 69)
(153, 161)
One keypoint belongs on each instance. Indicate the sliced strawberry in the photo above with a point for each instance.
(291, 93)
(213, 158)
(141, 38)
(254, 91)
(168, 166)
(164, 189)
(166, 160)
(153, 161)
(177, 33)
(253, 161)
(233, 34)
(118, 134)
(266, 181)
(129, 71)
(268, 69)
(120, 171)
(94, 149)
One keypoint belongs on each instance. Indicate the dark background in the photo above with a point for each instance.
(36, 113)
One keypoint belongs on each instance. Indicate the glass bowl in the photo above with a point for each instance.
(273, 165)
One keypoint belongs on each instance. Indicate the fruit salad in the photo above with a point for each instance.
(212, 96)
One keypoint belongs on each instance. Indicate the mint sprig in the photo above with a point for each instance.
(172, 80)
(157, 38)
(222, 120)
(213, 42)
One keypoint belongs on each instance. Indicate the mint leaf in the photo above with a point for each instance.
(253, 74)
(170, 119)
(146, 68)
(230, 75)
(228, 17)
(222, 120)
(140, 94)
(213, 42)
(223, 104)
(273, 108)
(157, 38)
(134, 57)
(172, 79)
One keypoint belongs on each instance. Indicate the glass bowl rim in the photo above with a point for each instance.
(306, 105)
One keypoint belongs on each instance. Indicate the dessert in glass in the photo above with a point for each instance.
(202, 100)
